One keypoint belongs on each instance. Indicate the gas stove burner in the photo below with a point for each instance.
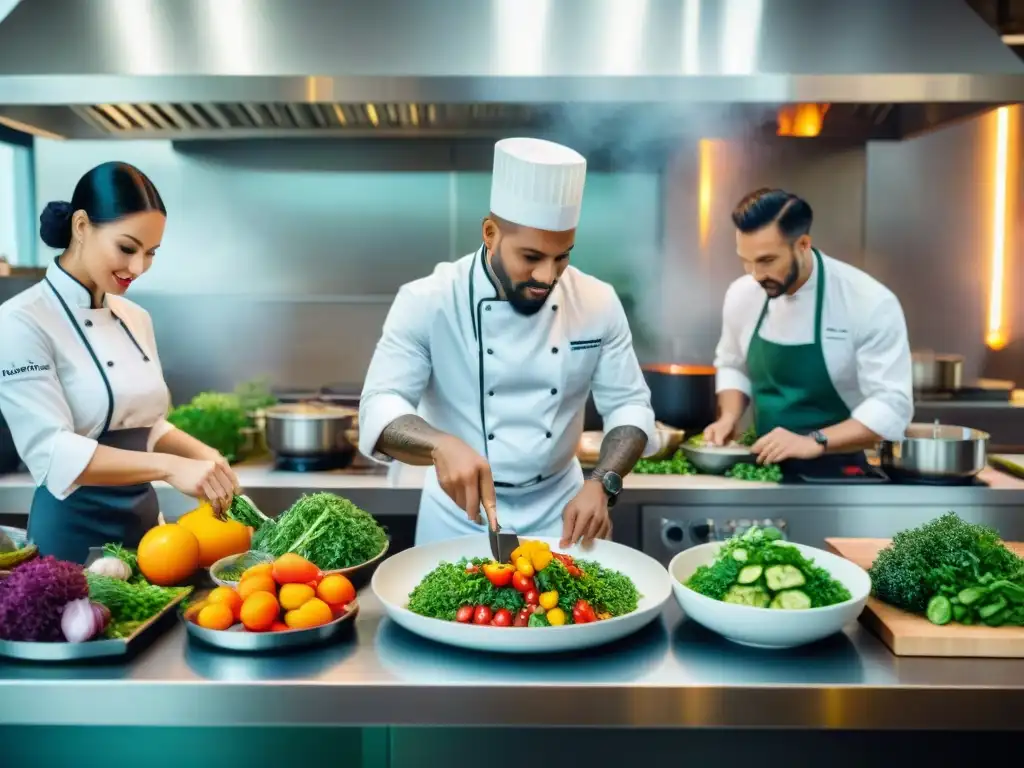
(313, 463)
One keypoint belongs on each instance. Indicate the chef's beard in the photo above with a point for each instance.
(516, 293)
(774, 288)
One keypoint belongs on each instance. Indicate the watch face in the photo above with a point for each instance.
(612, 482)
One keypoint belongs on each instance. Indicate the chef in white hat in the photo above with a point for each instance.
(483, 369)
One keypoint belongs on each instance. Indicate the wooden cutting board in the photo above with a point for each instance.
(909, 635)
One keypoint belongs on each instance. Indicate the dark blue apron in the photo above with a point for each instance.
(95, 515)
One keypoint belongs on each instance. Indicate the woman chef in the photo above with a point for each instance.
(484, 368)
(80, 382)
(819, 347)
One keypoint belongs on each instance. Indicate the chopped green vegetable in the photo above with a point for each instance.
(243, 511)
(760, 570)
(964, 563)
(130, 601)
(758, 473)
(676, 464)
(328, 530)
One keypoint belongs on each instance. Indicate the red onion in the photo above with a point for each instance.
(78, 622)
(102, 616)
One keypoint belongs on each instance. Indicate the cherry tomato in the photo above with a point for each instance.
(482, 615)
(464, 614)
(532, 597)
(472, 568)
(563, 559)
(522, 582)
(583, 613)
(502, 618)
(574, 571)
(522, 618)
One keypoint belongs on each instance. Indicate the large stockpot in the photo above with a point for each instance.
(937, 372)
(310, 430)
(683, 396)
(935, 452)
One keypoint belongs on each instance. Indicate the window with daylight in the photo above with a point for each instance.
(17, 233)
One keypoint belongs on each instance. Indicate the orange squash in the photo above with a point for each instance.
(217, 538)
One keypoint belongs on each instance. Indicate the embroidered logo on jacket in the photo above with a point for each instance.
(28, 367)
(577, 346)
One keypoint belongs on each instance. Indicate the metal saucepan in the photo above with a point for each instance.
(935, 452)
(682, 396)
(310, 430)
(937, 373)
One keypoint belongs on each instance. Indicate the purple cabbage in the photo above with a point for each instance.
(33, 597)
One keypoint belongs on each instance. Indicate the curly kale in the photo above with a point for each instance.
(943, 557)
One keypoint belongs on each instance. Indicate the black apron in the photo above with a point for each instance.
(95, 515)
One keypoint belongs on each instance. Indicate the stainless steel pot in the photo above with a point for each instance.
(937, 373)
(309, 430)
(935, 452)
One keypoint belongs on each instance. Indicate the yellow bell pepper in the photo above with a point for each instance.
(540, 559)
(556, 616)
(548, 600)
(524, 566)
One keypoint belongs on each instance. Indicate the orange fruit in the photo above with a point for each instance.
(216, 616)
(226, 596)
(336, 590)
(294, 596)
(290, 568)
(314, 613)
(263, 569)
(193, 609)
(217, 538)
(259, 611)
(168, 555)
(279, 626)
(256, 584)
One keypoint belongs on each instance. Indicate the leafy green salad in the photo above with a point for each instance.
(760, 570)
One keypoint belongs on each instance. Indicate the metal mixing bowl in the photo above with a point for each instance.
(935, 452)
(713, 460)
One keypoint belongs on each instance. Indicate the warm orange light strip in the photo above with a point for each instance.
(995, 338)
(804, 120)
(705, 151)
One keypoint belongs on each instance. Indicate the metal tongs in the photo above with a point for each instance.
(503, 542)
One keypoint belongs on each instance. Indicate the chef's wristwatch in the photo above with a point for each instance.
(611, 482)
(820, 438)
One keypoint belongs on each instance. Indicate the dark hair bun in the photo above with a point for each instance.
(55, 224)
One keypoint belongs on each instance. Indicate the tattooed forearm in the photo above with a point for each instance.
(410, 440)
(621, 448)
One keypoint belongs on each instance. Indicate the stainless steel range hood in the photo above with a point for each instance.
(242, 68)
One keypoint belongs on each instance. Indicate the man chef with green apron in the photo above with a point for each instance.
(818, 346)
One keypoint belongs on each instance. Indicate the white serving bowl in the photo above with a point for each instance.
(399, 574)
(764, 627)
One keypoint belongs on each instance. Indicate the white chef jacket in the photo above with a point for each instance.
(68, 373)
(512, 386)
(863, 339)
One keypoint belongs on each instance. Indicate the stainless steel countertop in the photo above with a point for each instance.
(672, 674)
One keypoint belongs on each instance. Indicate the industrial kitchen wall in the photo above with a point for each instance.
(282, 258)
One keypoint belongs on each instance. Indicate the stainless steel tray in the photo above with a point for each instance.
(91, 649)
(238, 639)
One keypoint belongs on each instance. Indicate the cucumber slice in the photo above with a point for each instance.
(752, 597)
(970, 595)
(779, 577)
(749, 574)
(791, 600)
(939, 610)
(740, 555)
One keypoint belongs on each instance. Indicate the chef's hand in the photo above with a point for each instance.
(586, 516)
(781, 444)
(207, 479)
(721, 432)
(466, 477)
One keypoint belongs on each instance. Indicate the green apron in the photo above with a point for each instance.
(791, 386)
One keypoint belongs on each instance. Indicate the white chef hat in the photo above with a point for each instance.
(537, 184)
